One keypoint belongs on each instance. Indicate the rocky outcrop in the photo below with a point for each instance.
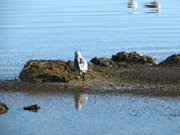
(132, 57)
(123, 59)
(55, 71)
(3, 106)
(63, 71)
(46, 71)
(173, 60)
(105, 62)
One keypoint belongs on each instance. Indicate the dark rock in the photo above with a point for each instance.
(3, 108)
(132, 57)
(46, 71)
(33, 108)
(173, 60)
(105, 62)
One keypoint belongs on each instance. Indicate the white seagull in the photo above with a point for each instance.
(80, 64)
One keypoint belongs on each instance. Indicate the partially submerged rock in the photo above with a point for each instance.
(33, 108)
(105, 62)
(62, 71)
(3, 108)
(132, 57)
(46, 71)
(123, 59)
(173, 60)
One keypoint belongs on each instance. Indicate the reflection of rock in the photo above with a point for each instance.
(33, 108)
(80, 99)
(105, 62)
(3, 108)
(153, 4)
(132, 4)
(173, 60)
(132, 57)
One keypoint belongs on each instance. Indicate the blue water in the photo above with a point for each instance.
(54, 29)
(102, 114)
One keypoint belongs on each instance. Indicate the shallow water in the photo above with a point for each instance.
(54, 29)
(101, 114)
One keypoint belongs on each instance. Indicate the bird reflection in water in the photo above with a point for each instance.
(80, 99)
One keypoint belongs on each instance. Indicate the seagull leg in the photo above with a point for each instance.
(83, 76)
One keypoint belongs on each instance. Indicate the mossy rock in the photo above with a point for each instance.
(173, 60)
(132, 57)
(55, 71)
(105, 62)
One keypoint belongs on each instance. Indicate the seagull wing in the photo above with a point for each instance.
(82, 64)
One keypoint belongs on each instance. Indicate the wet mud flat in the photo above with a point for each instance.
(147, 81)
(132, 72)
(124, 72)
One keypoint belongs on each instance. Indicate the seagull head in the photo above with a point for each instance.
(77, 54)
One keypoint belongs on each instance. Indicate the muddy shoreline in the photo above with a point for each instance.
(124, 73)
(151, 81)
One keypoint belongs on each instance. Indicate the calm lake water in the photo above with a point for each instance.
(102, 114)
(54, 29)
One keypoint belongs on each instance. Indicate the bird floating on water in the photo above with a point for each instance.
(132, 4)
(153, 4)
(80, 64)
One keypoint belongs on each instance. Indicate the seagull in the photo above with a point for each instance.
(132, 4)
(80, 64)
(153, 4)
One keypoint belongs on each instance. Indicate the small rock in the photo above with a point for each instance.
(132, 57)
(33, 108)
(173, 60)
(3, 108)
(120, 56)
(105, 62)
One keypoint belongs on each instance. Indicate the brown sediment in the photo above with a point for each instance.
(139, 74)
